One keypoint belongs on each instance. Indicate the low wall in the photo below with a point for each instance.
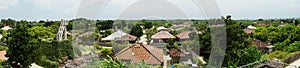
(292, 58)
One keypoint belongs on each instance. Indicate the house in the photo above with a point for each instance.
(161, 37)
(262, 24)
(139, 52)
(6, 28)
(184, 36)
(120, 36)
(178, 55)
(262, 46)
(179, 26)
(162, 29)
(249, 29)
(187, 24)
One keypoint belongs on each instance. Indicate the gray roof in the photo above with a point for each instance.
(119, 34)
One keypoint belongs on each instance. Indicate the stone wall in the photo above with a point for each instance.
(292, 58)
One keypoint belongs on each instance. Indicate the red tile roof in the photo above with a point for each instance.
(184, 35)
(260, 45)
(175, 52)
(162, 35)
(249, 31)
(263, 24)
(138, 52)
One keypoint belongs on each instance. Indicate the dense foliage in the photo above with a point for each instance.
(33, 42)
(30, 43)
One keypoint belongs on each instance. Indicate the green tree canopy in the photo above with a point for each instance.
(21, 47)
(136, 31)
(41, 32)
(104, 25)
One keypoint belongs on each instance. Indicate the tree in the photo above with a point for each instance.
(237, 47)
(294, 46)
(21, 47)
(48, 23)
(136, 31)
(148, 25)
(104, 25)
(8, 22)
(249, 54)
(40, 32)
(282, 46)
(201, 26)
(205, 43)
(295, 36)
(260, 19)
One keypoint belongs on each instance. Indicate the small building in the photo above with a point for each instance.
(249, 29)
(262, 46)
(120, 36)
(161, 37)
(178, 55)
(177, 26)
(6, 28)
(262, 24)
(139, 52)
(162, 29)
(184, 36)
(187, 24)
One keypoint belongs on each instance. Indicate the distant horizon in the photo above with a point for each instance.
(158, 19)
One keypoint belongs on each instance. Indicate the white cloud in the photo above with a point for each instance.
(4, 4)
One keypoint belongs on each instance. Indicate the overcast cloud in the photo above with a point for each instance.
(67, 9)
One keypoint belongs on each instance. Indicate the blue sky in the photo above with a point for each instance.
(67, 9)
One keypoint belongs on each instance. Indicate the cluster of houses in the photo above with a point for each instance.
(152, 53)
(262, 46)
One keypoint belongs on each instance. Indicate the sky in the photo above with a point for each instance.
(120, 9)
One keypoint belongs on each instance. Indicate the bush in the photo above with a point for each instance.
(181, 65)
(294, 47)
(97, 46)
(2, 62)
(46, 63)
(277, 54)
(106, 52)
(3, 48)
(283, 46)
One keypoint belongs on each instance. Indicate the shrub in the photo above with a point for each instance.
(3, 48)
(277, 54)
(97, 46)
(181, 65)
(294, 47)
(106, 52)
(44, 62)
